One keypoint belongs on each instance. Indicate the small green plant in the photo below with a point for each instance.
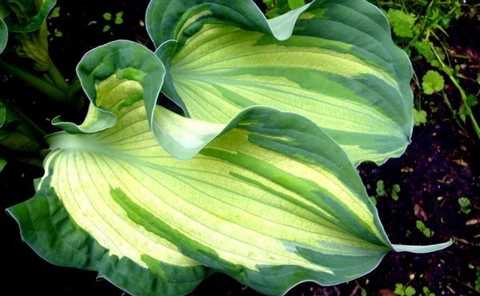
(381, 191)
(108, 17)
(465, 205)
(404, 290)
(420, 117)
(426, 292)
(380, 188)
(427, 232)
(396, 192)
(403, 23)
(432, 82)
(421, 26)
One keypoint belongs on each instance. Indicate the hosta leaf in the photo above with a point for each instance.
(3, 35)
(15, 134)
(272, 200)
(22, 16)
(80, 228)
(339, 69)
(98, 65)
(3, 163)
(27, 15)
(49, 229)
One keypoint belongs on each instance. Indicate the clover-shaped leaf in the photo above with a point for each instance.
(402, 23)
(432, 82)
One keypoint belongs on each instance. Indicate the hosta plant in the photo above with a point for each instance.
(22, 17)
(255, 177)
(332, 62)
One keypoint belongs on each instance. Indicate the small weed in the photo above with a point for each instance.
(395, 192)
(381, 191)
(426, 292)
(421, 26)
(404, 290)
(119, 18)
(433, 82)
(420, 117)
(424, 229)
(112, 20)
(477, 281)
(465, 205)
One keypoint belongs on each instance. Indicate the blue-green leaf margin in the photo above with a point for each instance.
(102, 62)
(165, 19)
(47, 228)
(45, 224)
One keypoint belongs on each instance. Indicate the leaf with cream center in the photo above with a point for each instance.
(333, 62)
(271, 200)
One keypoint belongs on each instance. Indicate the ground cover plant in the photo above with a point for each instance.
(179, 159)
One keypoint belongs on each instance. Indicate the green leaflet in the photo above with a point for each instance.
(340, 68)
(270, 200)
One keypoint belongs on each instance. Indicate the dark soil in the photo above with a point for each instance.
(441, 165)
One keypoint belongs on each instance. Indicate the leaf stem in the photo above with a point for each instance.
(74, 87)
(39, 84)
(35, 127)
(57, 77)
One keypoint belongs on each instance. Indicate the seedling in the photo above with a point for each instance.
(117, 20)
(465, 205)
(278, 7)
(427, 232)
(381, 191)
(395, 192)
(420, 117)
(404, 290)
(426, 292)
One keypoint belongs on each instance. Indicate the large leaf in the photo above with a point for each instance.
(3, 163)
(22, 16)
(80, 226)
(27, 15)
(271, 201)
(340, 68)
(3, 35)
